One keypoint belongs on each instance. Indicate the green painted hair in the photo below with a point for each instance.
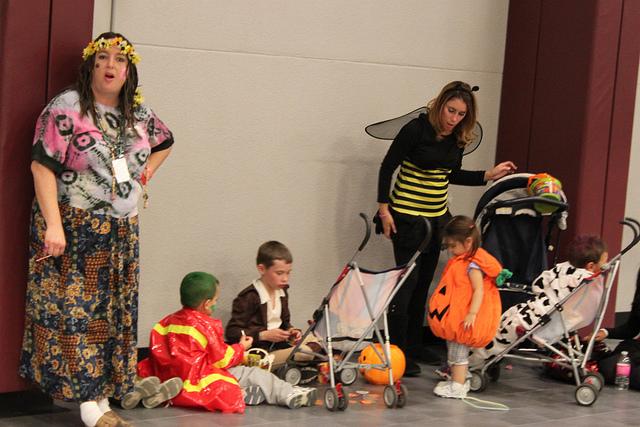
(197, 287)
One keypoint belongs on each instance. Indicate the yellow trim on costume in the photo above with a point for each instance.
(228, 355)
(204, 382)
(182, 329)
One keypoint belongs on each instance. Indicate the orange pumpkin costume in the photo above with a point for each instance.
(449, 303)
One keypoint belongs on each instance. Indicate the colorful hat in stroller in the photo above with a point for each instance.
(544, 185)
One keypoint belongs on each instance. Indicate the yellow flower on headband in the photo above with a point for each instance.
(102, 43)
(138, 99)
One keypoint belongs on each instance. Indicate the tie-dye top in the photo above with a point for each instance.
(74, 148)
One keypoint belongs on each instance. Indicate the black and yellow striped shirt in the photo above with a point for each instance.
(419, 191)
(427, 166)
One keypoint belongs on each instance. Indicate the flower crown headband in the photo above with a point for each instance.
(102, 43)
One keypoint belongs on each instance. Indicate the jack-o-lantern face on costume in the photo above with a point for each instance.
(449, 304)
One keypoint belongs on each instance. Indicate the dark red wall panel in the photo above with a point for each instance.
(71, 27)
(579, 90)
(24, 42)
(521, 55)
(622, 121)
(34, 38)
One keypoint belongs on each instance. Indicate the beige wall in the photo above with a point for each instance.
(631, 261)
(268, 101)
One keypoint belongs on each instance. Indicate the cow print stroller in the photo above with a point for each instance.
(564, 300)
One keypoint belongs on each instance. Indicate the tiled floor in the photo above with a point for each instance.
(532, 399)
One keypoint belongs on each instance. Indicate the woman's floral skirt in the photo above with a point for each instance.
(82, 307)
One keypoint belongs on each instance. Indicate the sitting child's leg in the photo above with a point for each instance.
(276, 391)
(308, 346)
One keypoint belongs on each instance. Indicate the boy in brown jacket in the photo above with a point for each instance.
(261, 310)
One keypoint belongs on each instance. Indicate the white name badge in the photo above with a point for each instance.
(120, 170)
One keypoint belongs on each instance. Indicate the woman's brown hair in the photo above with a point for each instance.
(464, 131)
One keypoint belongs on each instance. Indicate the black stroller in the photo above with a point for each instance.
(351, 315)
(518, 230)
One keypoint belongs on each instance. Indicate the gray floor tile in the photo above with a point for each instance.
(533, 401)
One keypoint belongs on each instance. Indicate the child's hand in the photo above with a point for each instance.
(246, 342)
(274, 335)
(295, 335)
(469, 320)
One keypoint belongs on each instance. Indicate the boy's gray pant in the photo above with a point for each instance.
(274, 389)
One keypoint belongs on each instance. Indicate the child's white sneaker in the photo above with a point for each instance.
(310, 395)
(301, 396)
(451, 389)
(253, 395)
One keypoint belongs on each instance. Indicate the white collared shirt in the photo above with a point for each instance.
(274, 310)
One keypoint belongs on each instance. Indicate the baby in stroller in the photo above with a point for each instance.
(587, 254)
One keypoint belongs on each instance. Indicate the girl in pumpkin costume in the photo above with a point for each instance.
(465, 307)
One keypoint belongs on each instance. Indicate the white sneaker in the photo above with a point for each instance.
(442, 383)
(451, 389)
(301, 396)
(253, 395)
(310, 395)
(294, 400)
(467, 383)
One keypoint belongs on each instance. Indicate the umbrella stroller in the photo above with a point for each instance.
(517, 229)
(352, 314)
(554, 332)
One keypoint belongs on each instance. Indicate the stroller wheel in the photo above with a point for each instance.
(331, 399)
(586, 394)
(594, 378)
(478, 382)
(292, 375)
(348, 376)
(402, 396)
(343, 402)
(389, 396)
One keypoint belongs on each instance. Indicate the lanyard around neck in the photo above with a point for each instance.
(116, 146)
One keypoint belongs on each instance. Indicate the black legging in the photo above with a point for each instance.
(407, 310)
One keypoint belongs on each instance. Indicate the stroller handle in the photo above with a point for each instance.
(367, 232)
(635, 228)
(562, 206)
(634, 225)
(365, 240)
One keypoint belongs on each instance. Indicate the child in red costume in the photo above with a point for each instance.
(465, 307)
(189, 344)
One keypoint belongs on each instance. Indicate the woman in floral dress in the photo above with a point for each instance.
(94, 149)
